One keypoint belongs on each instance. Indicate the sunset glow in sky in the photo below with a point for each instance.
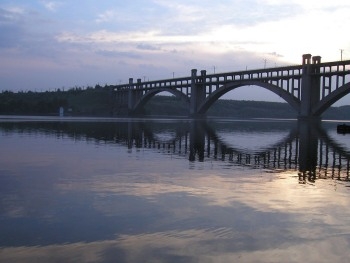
(45, 45)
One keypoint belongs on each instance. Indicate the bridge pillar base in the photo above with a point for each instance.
(198, 116)
(309, 118)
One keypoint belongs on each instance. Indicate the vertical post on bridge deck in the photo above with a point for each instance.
(198, 92)
(310, 86)
(131, 96)
(193, 100)
(138, 90)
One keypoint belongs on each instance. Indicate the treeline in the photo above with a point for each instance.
(238, 109)
(76, 101)
(100, 101)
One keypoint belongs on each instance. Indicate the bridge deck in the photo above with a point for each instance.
(337, 68)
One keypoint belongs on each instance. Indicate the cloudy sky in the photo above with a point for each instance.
(45, 45)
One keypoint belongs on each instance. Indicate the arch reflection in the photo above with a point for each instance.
(303, 147)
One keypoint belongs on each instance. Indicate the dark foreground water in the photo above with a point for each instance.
(92, 190)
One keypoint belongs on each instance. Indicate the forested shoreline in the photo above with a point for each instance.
(100, 101)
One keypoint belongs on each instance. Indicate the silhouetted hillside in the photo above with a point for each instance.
(99, 101)
(78, 102)
(238, 109)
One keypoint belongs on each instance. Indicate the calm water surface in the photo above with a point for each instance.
(93, 190)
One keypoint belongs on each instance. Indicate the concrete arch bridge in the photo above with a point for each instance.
(310, 88)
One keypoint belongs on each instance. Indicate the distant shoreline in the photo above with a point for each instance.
(98, 103)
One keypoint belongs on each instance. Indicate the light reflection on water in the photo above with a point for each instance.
(172, 192)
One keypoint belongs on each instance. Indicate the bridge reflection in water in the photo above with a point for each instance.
(306, 148)
(302, 147)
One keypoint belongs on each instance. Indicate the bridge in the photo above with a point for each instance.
(310, 88)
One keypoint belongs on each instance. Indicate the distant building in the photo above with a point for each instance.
(61, 112)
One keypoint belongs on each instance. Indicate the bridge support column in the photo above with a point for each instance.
(198, 93)
(310, 87)
(131, 96)
(134, 94)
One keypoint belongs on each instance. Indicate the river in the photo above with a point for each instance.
(163, 190)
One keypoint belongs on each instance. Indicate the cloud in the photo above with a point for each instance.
(275, 54)
(107, 16)
(51, 5)
(16, 32)
(10, 28)
(238, 13)
(147, 47)
(105, 36)
(118, 54)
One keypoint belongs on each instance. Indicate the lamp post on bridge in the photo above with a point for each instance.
(341, 54)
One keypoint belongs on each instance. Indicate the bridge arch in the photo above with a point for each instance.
(150, 94)
(333, 97)
(213, 97)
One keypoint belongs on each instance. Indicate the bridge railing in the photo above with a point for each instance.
(288, 78)
(218, 78)
(332, 75)
(333, 67)
(267, 74)
(147, 85)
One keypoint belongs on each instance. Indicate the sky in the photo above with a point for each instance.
(46, 45)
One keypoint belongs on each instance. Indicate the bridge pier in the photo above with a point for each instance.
(134, 95)
(198, 93)
(310, 87)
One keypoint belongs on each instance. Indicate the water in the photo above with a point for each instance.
(106, 190)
